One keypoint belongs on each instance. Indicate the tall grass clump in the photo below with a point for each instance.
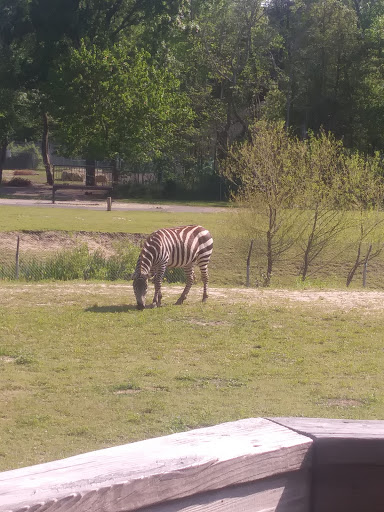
(81, 263)
(78, 263)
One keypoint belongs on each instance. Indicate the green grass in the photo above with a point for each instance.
(15, 218)
(82, 369)
(38, 177)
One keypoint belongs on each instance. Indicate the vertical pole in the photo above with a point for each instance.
(249, 261)
(109, 204)
(17, 258)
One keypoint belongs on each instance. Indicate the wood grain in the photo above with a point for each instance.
(342, 441)
(285, 493)
(125, 478)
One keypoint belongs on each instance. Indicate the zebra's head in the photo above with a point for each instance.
(140, 286)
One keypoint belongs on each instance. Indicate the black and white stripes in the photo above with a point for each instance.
(183, 247)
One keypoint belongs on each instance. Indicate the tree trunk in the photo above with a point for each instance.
(45, 150)
(307, 252)
(357, 263)
(3, 154)
(270, 255)
(90, 173)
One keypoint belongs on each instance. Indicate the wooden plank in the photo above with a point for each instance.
(336, 428)
(125, 478)
(286, 493)
(341, 441)
(348, 463)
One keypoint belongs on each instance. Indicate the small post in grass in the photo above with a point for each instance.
(17, 257)
(249, 262)
(109, 204)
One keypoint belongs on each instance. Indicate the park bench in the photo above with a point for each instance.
(86, 188)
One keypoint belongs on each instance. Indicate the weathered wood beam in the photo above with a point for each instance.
(348, 463)
(251, 464)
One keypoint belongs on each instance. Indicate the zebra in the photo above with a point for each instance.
(181, 247)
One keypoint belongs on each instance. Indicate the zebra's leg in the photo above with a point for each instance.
(158, 278)
(190, 277)
(204, 277)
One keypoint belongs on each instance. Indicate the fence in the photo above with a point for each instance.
(258, 465)
(74, 174)
(36, 256)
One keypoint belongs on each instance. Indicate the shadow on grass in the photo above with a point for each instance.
(112, 309)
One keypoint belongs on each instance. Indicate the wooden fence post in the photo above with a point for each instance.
(249, 262)
(17, 258)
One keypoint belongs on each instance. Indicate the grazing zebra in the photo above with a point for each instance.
(181, 247)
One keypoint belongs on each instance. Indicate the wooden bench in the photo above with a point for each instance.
(79, 187)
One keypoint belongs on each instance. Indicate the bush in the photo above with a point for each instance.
(78, 263)
(19, 182)
(71, 176)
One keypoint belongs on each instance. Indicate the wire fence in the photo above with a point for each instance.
(37, 256)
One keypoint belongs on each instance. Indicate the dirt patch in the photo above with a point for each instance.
(324, 299)
(46, 242)
(6, 359)
(344, 402)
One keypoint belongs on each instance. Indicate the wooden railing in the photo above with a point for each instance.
(274, 464)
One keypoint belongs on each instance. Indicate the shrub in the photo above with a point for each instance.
(80, 263)
(19, 182)
(71, 176)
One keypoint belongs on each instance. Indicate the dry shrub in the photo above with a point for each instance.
(101, 179)
(71, 176)
(19, 182)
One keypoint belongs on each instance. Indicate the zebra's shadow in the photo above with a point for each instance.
(111, 309)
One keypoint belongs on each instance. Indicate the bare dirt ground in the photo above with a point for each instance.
(44, 242)
(324, 300)
(40, 195)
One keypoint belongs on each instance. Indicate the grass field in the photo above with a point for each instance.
(231, 244)
(82, 369)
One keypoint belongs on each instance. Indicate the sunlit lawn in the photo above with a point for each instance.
(81, 369)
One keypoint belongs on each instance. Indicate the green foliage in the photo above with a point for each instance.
(303, 189)
(78, 263)
(119, 102)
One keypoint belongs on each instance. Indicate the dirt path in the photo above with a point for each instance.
(41, 196)
(325, 300)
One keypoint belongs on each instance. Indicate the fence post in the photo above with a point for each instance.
(109, 204)
(17, 258)
(249, 261)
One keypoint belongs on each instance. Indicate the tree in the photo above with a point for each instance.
(324, 197)
(233, 42)
(117, 101)
(268, 172)
(366, 187)
(40, 34)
